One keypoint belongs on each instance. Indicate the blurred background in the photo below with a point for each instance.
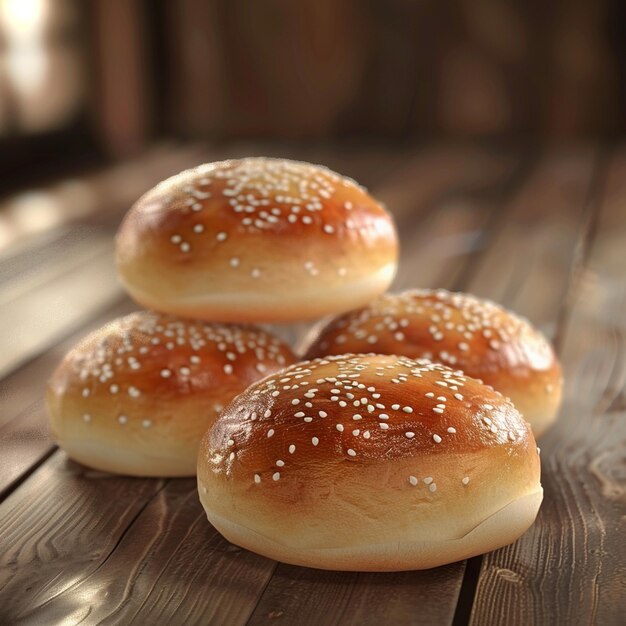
(101, 98)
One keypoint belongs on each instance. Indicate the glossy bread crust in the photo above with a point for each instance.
(475, 335)
(136, 396)
(256, 240)
(335, 462)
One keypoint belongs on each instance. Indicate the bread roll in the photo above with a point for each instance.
(369, 462)
(256, 240)
(465, 332)
(136, 396)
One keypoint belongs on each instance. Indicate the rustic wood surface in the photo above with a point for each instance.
(541, 231)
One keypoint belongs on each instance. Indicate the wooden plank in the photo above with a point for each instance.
(156, 558)
(568, 569)
(299, 595)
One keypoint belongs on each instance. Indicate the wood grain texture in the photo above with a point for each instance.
(569, 567)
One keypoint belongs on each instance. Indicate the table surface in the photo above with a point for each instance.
(541, 231)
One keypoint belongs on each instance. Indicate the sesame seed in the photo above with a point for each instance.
(428, 480)
(280, 463)
(257, 479)
(322, 414)
(315, 441)
(409, 435)
(276, 476)
(146, 423)
(234, 262)
(384, 426)
(270, 433)
(221, 236)
(267, 413)
(295, 401)
(329, 229)
(339, 427)
(458, 396)
(122, 419)
(408, 409)
(395, 407)
(351, 452)
(432, 487)
(357, 417)
(465, 480)
(451, 429)
(437, 438)
(114, 388)
(255, 273)
(165, 373)
(292, 448)
(176, 239)
(198, 228)
(87, 417)
(487, 407)
(185, 247)
(413, 480)
(228, 368)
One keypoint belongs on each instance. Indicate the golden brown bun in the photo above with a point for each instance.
(369, 462)
(136, 396)
(462, 331)
(256, 240)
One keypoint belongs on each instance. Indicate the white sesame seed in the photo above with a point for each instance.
(438, 410)
(292, 448)
(255, 273)
(165, 373)
(451, 429)
(114, 388)
(413, 480)
(270, 433)
(228, 368)
(458, 396)
(432, 487)
(185, 247)
(87, 417)
(366, 434)
(384, 426)
(430, 394)
(465, 480)
(221, 236)
(428, 480)
(234, 262)
(276, 476)
(122, 419)
(295, 401)
(351, 452)
(356, 432)
(267, 413)
(437, 438)
(409, 435)
(176, 239)
(408, 409)
(487, 407)
(280, 463)
(308, 419)
(315, 441)
(329, 229)
(395, 407)
(146, 423)
(257, 479)
(339, 427)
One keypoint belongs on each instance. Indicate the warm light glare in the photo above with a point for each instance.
(23, 19)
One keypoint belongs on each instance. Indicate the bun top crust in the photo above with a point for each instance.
(254, 225)
(138, 368)
(326, 415)
(477, 336)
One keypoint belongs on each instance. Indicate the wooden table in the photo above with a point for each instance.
(540, 231)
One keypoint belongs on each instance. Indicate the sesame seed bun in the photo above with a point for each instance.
(477, 336)
(136, 396)
(369, 462)
(256, 240)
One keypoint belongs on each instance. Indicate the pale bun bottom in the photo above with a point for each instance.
(499, 529)
(117, 460)
(265, 306)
